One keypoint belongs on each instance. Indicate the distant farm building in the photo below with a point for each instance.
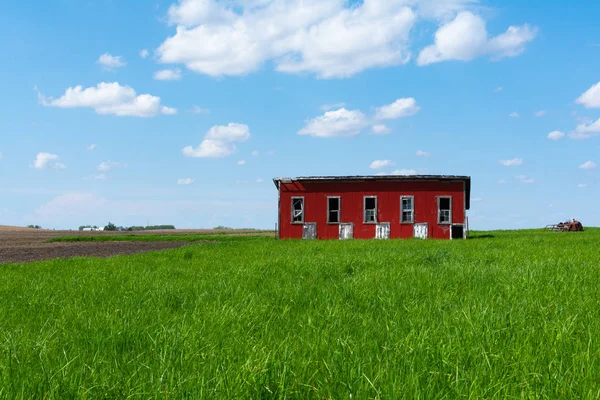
(367, 207)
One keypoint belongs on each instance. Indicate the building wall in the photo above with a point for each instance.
(388, 206)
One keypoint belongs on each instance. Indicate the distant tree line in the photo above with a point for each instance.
(34, 226)
(113, 227)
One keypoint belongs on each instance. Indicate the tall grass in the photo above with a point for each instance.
(506, 315)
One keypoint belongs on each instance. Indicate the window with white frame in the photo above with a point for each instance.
(370, 209)
(297, 210)
(333, 210)
(407, 209)
(445, 210)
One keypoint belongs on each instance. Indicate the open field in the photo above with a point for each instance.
(24, 244)
(512, 314)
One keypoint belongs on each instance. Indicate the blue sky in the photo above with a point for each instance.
(229, 94)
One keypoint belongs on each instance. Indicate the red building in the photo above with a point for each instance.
(366, 207)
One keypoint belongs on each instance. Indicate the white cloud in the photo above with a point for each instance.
(588, 165)
(540, 113)
(591, 97)
(327, 107)
(168, 75)
(582, 185)
(255, 153)
(514, 115)
(271, 152)
(512, 163)
(47, 160)
(524, 179)
(110, 61)
(241, 162)
(466, 38)
(316, 36)
(404, 172)
(380, 129)
(144, 53)
(108, 165)
(185, 181)
(219, 141)
(498, 89)
(586, 130)
(259, 180)
(91, 147)
(109, 98)
(378, 164)
(422, 153)
(340, 123)
(398, 109)
(501, 181)
(200, 110)
(556, 135)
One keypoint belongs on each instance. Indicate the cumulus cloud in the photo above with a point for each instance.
(556, 135)
(185, 181)
(108, 165)
(422, 153)
(524, 179)
(586, 130)
(109, 99)
(591, 97)
(498, 89)
(144, 53)
(339, 123)
(345, 123)
(241, 162)
(219, 141)
(255, 153)
(327, 107)
(168, 75)
(380, 129)
(378, 164)
(91, 147)
(540, 113)
(400, 108)
(588, 165)
(514, 115)
(109, 61)
(582, 185)
(322, 37)
(466, 38)
(512, 163)
(47, 160)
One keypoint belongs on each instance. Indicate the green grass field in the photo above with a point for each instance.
(512, 314)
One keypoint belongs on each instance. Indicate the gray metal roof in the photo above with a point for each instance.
(393, 178)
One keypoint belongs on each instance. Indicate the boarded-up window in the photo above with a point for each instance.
(407, 209)
(298, 209)
(444, 210)
(333, 210)
(370, 209)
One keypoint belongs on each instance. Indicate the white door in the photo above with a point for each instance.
(309, 231)
(382, 231)
(421, 231)
(346, 231)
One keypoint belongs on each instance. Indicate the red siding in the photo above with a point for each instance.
(388, 206)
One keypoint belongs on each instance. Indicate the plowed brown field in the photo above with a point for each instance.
(25, 245)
